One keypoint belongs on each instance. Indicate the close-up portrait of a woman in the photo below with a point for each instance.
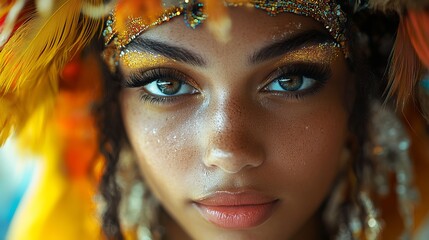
(214, 119)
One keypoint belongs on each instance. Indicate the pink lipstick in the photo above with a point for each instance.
(236, 210)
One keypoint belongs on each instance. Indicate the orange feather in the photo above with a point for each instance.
(405, 67)
(417, 22)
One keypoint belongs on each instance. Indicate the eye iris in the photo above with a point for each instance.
(291, 83)
(169, 87)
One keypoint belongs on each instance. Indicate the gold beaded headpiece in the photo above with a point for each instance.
(118, 35)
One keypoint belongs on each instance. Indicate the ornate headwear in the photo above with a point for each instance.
(409, 63)
(37, 41)
(119, 32)
(50, 34)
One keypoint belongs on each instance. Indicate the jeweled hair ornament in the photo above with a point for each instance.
(121, 31)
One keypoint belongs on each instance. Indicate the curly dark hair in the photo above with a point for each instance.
(113, 136)
(111, 139)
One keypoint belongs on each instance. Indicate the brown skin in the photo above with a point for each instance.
(232, 135)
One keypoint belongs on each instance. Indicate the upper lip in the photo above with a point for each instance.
(235, 198)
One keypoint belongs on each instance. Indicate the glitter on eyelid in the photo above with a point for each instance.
(324, 53)
(137, 59)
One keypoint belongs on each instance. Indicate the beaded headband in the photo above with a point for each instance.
(327, 12)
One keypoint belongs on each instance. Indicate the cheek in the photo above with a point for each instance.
(306, 154)
(302, 143)
(304, 148)
(162, 145)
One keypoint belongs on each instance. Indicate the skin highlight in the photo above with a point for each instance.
(234, 135)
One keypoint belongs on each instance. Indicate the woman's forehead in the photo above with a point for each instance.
(256, 40)
(250, 30)
(255, 26)
(121, 28)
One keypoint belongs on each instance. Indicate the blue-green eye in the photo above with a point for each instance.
(161, 84)
(298, 79)
(291, 83)
(168, 87)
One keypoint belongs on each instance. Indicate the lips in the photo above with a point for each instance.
(236, 210)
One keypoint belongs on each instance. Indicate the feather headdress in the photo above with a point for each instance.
(397, 5)
(47, 35)
(410, 56)
(219, 22)
(30, 63)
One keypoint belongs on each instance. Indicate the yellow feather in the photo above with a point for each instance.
(30, 64)
(5, 7)
(10, 14)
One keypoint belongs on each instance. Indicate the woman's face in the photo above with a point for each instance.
(238, 140)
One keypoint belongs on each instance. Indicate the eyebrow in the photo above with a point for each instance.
(174, 52)
(277, 49)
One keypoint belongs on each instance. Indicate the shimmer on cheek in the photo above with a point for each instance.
(138, 60)
(324, 53)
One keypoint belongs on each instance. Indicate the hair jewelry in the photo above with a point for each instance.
(327, 12)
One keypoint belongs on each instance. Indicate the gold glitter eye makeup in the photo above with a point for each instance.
(324, 53)
(161, 85)
(138, 59)
(297, 80)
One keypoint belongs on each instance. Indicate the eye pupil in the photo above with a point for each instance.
(169, 87)
(291, 83)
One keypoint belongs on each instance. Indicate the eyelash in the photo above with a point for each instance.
(142, 78)
(319, 72)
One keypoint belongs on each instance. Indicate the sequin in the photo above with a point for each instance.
(327, 12)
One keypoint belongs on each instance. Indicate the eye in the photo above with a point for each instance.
(165, 87)
(161, 85)
(290, 83)
(298, 79)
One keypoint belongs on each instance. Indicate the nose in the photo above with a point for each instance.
(232, 142)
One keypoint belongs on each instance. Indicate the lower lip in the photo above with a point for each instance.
(237, 217)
